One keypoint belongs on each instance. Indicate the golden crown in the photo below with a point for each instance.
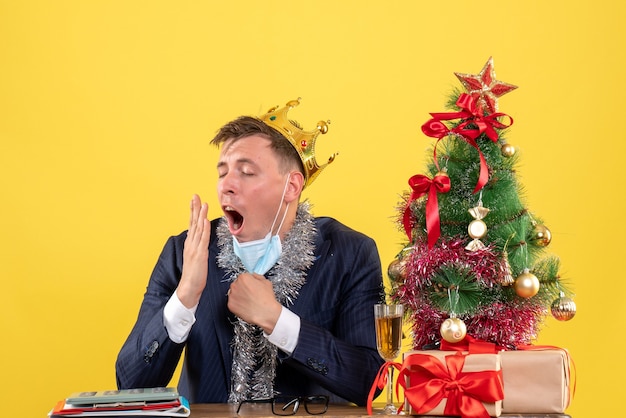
(302, 141)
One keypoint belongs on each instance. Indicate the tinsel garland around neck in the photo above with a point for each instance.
(254, 357)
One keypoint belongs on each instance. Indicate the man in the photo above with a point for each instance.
(266, 299)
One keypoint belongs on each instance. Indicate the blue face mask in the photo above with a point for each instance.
(259, 256)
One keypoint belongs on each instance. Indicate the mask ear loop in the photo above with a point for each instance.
(278, 211)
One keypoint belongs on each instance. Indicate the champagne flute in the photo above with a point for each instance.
(389, 343)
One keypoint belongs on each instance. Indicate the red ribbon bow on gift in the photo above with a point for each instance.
(422, 185)
(474, 124)
(431, 381)
(477, 346)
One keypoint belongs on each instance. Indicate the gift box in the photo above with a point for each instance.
(536, 380)
(452, 383)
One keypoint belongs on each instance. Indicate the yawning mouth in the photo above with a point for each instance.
(235, 219)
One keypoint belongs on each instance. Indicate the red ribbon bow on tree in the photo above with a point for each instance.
(474, 124)
(422, 185)
(430, 381)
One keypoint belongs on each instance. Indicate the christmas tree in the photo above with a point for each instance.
(475, 261)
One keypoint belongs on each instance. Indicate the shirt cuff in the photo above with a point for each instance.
(178, 319)
(286, 331)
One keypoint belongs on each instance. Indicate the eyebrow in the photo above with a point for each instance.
(239, 161)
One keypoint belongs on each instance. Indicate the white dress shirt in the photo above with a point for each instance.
(179, 319)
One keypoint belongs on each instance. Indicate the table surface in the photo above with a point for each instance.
(334, 411)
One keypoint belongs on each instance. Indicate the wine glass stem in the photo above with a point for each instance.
(390, 387)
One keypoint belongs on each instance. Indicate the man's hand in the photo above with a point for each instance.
(195, 255)
(251, 298)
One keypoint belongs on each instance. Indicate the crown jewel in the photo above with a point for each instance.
(302, 141)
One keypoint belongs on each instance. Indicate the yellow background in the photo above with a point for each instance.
(107, 107)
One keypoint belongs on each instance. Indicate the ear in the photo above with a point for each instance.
(294, 186)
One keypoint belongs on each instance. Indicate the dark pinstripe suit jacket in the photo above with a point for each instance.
(336, 352)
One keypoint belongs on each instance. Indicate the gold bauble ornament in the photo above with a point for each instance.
(453, 330)
(507, 150)
(541, 235)
(397, 269)
(563, 308)
(526, 284)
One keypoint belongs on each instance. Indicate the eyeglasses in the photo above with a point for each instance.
(288, 405)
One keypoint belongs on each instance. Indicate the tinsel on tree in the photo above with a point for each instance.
(475, 261)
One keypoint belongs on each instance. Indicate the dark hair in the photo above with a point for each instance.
(245, 126)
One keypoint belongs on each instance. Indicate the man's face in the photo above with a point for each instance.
(250, 187)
